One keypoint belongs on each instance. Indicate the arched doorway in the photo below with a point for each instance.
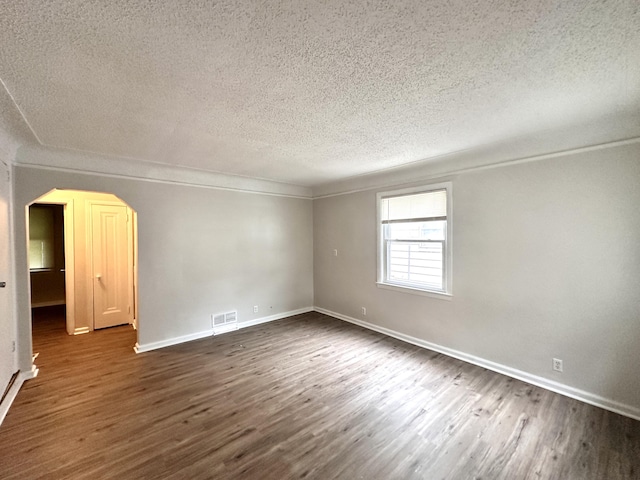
(99, 266)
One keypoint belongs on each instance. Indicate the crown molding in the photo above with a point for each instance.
(447, 165)
(38, 156)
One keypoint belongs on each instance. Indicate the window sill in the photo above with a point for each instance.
(415, 291)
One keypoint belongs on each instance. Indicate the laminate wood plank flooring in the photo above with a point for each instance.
(307, 397)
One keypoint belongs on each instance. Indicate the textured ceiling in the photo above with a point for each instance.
(311, 92)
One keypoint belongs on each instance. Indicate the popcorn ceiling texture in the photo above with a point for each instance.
(312, 92)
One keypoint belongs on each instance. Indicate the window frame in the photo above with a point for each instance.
(447, 281)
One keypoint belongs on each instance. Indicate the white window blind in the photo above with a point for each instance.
(428, 205)
(413, 232)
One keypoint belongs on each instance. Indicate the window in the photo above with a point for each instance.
(41, 237)
(414, 239)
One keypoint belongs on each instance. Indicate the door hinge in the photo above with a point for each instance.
(129, 309)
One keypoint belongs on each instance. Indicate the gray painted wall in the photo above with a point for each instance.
(13, 132)
(546, 261)
(201, 251)
(7, 319)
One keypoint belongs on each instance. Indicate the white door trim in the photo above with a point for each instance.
(69, 258)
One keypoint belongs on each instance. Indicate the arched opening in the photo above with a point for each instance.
(83, 260)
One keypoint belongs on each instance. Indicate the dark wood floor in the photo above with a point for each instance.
(304, 397)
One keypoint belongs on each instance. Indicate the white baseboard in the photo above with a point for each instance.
(141, 348)
(272, 318)
(583, 396)
(230, 327)
(33, 373)
(51, 303)
(146, 347)
(13, 391)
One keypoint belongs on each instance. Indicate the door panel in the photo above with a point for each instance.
(110, 265)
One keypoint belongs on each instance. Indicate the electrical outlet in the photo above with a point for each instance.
(255, 309)
(557, 365)
(364, 311)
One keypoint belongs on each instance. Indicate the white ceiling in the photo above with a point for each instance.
(312, 92)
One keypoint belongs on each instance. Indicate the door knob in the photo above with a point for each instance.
(99, 277)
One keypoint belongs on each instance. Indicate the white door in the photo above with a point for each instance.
(7, 331)
(110, 265)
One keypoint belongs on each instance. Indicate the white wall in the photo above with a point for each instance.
(13, 132)
(7, 319)
(201, 251)
(546, 261)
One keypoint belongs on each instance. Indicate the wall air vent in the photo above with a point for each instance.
(224, 322)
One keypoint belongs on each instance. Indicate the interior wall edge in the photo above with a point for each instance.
(556, 387)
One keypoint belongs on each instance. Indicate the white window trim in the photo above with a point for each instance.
(448, 260)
